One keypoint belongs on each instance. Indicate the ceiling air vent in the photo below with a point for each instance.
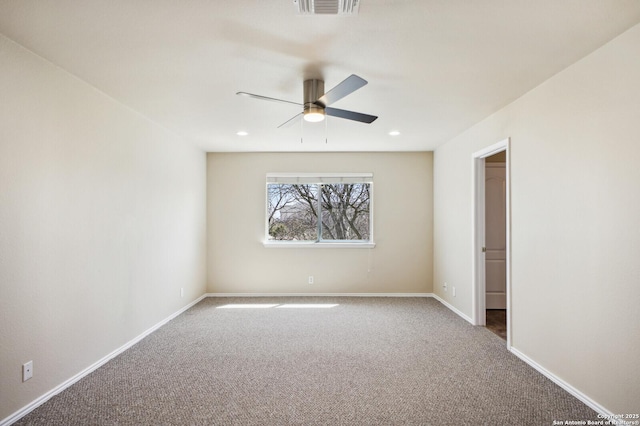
(327, 7)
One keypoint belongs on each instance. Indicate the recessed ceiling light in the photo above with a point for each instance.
(242, 133)
(394, 133)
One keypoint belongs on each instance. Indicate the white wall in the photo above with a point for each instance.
(575, 173)
(102, 221)
(400, 262)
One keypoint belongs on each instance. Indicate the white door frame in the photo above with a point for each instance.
(478, 229)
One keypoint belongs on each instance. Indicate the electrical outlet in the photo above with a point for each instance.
(181, 291)
(27, 371)
(453, 291)
(310, 279)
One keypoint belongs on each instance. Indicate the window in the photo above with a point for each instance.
(322, 209)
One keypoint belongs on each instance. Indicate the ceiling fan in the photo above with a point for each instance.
(316, 103)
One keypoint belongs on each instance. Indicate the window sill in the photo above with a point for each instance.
(316, 244)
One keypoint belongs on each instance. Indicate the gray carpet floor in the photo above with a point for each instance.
(366, 361)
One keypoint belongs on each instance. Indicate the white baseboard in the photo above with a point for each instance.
(319, 294)
(44, 398)
(453, 308)
(564, 385)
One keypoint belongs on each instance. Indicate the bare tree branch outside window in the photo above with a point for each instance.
(342, 209)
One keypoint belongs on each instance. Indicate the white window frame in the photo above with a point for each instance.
(319, 179)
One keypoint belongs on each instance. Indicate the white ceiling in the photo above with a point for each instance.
(435, 67)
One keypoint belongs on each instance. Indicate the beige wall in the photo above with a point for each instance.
(400, 263)
(102, 220)
(575, 155)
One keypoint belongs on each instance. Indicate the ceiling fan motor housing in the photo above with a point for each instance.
(313, 90)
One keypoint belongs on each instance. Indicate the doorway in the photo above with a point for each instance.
(495, 246)
(491, 253)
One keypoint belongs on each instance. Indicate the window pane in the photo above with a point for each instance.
(345, 211)
(292, 212)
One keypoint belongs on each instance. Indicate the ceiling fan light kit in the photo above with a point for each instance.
(313, 114)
